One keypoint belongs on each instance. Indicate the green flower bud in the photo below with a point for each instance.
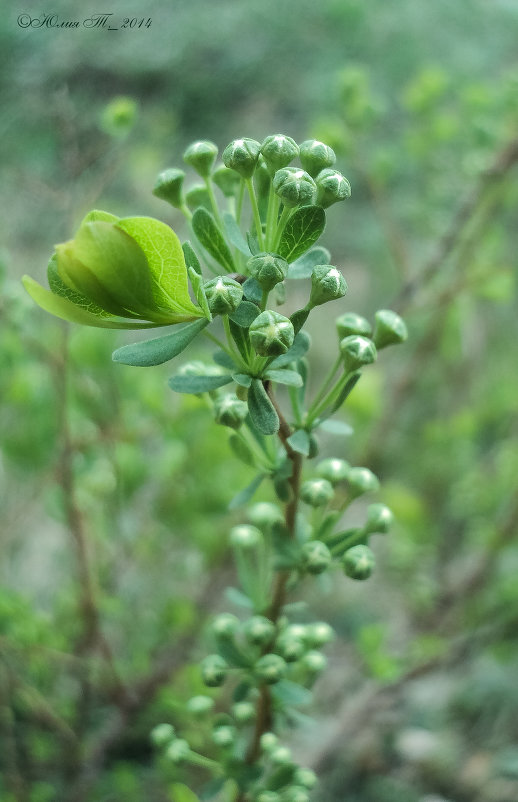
(267, 796)
(225, 625)
(201, 156)
(315, 156)
(317, 492)
(332, 187)
(305, 777)
(230, 411)
(327, 284)
(214, 670)
(223, 295)
(351, 323)
(296, 793)
(268, 742)
(270, 668)
(318, 634)
(357, 351)
(278, 151)
(271, 334)
(197, 196)
(333, 469)
(243, 712)
(178, 750)
(291, 649)
(226, 180)
(169, 187)
(224, 736)
(118, 116)
(265, 514)
(362, 480)
(296, 631)
(268, 269)
(281, 756)
(314, 662)
(241, 155)
(390, 329)
(358, 562)
(245, 536)
(379, 519)
(162, 734)
(259, 630)
(200, 705)
(316, 557)
(294, 186)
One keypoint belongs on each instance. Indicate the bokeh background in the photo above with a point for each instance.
(114, 493)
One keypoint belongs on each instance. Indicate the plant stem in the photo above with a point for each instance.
(264, 716)
(255, 211)
(325, 384)
(213, 202)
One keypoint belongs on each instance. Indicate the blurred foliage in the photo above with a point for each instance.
(422, 108)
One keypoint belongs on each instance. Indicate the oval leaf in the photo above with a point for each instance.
(183, 794)
(159, 349)
(197, 384)
(300, 346)
(289, 377)
(299, 441)
(234, 234)
(209, 235)
(262, 412)
(303, 266)
(245, 314)
(301, 231)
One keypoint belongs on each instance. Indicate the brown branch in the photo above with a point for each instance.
(502, 164)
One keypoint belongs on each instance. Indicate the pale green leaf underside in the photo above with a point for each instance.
(67, 310)
(165, 258)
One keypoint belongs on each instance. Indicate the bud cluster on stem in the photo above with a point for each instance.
(255, 221)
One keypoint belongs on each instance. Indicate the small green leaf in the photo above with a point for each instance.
(224, 360)
(211, 238)
(338, 427)
(300, 346)
(245, 314)
(298, 319)
(197, 384)
(183, 794)
(252, 290)
(243, 379)
(301, 231)
(347, 390)
(243, 689)
(303, 266)
(299, 441)
(234, 234)
(244, 496)
(242, 450)
(199, 292)
(290, 693)
(191, 260)
(262, 412)
(241, 339)
(252, 243)
(289, 377)
(159, 349)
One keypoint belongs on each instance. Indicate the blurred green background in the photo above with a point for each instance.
(108, 519)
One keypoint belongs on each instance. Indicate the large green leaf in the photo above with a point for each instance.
(209, 235)
(262, 412)
(301, 231)
(105, 264)
(160, 349)
(58, 287)
(164, 255)
(67, 310)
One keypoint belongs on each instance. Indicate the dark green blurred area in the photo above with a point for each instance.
(420, 102)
